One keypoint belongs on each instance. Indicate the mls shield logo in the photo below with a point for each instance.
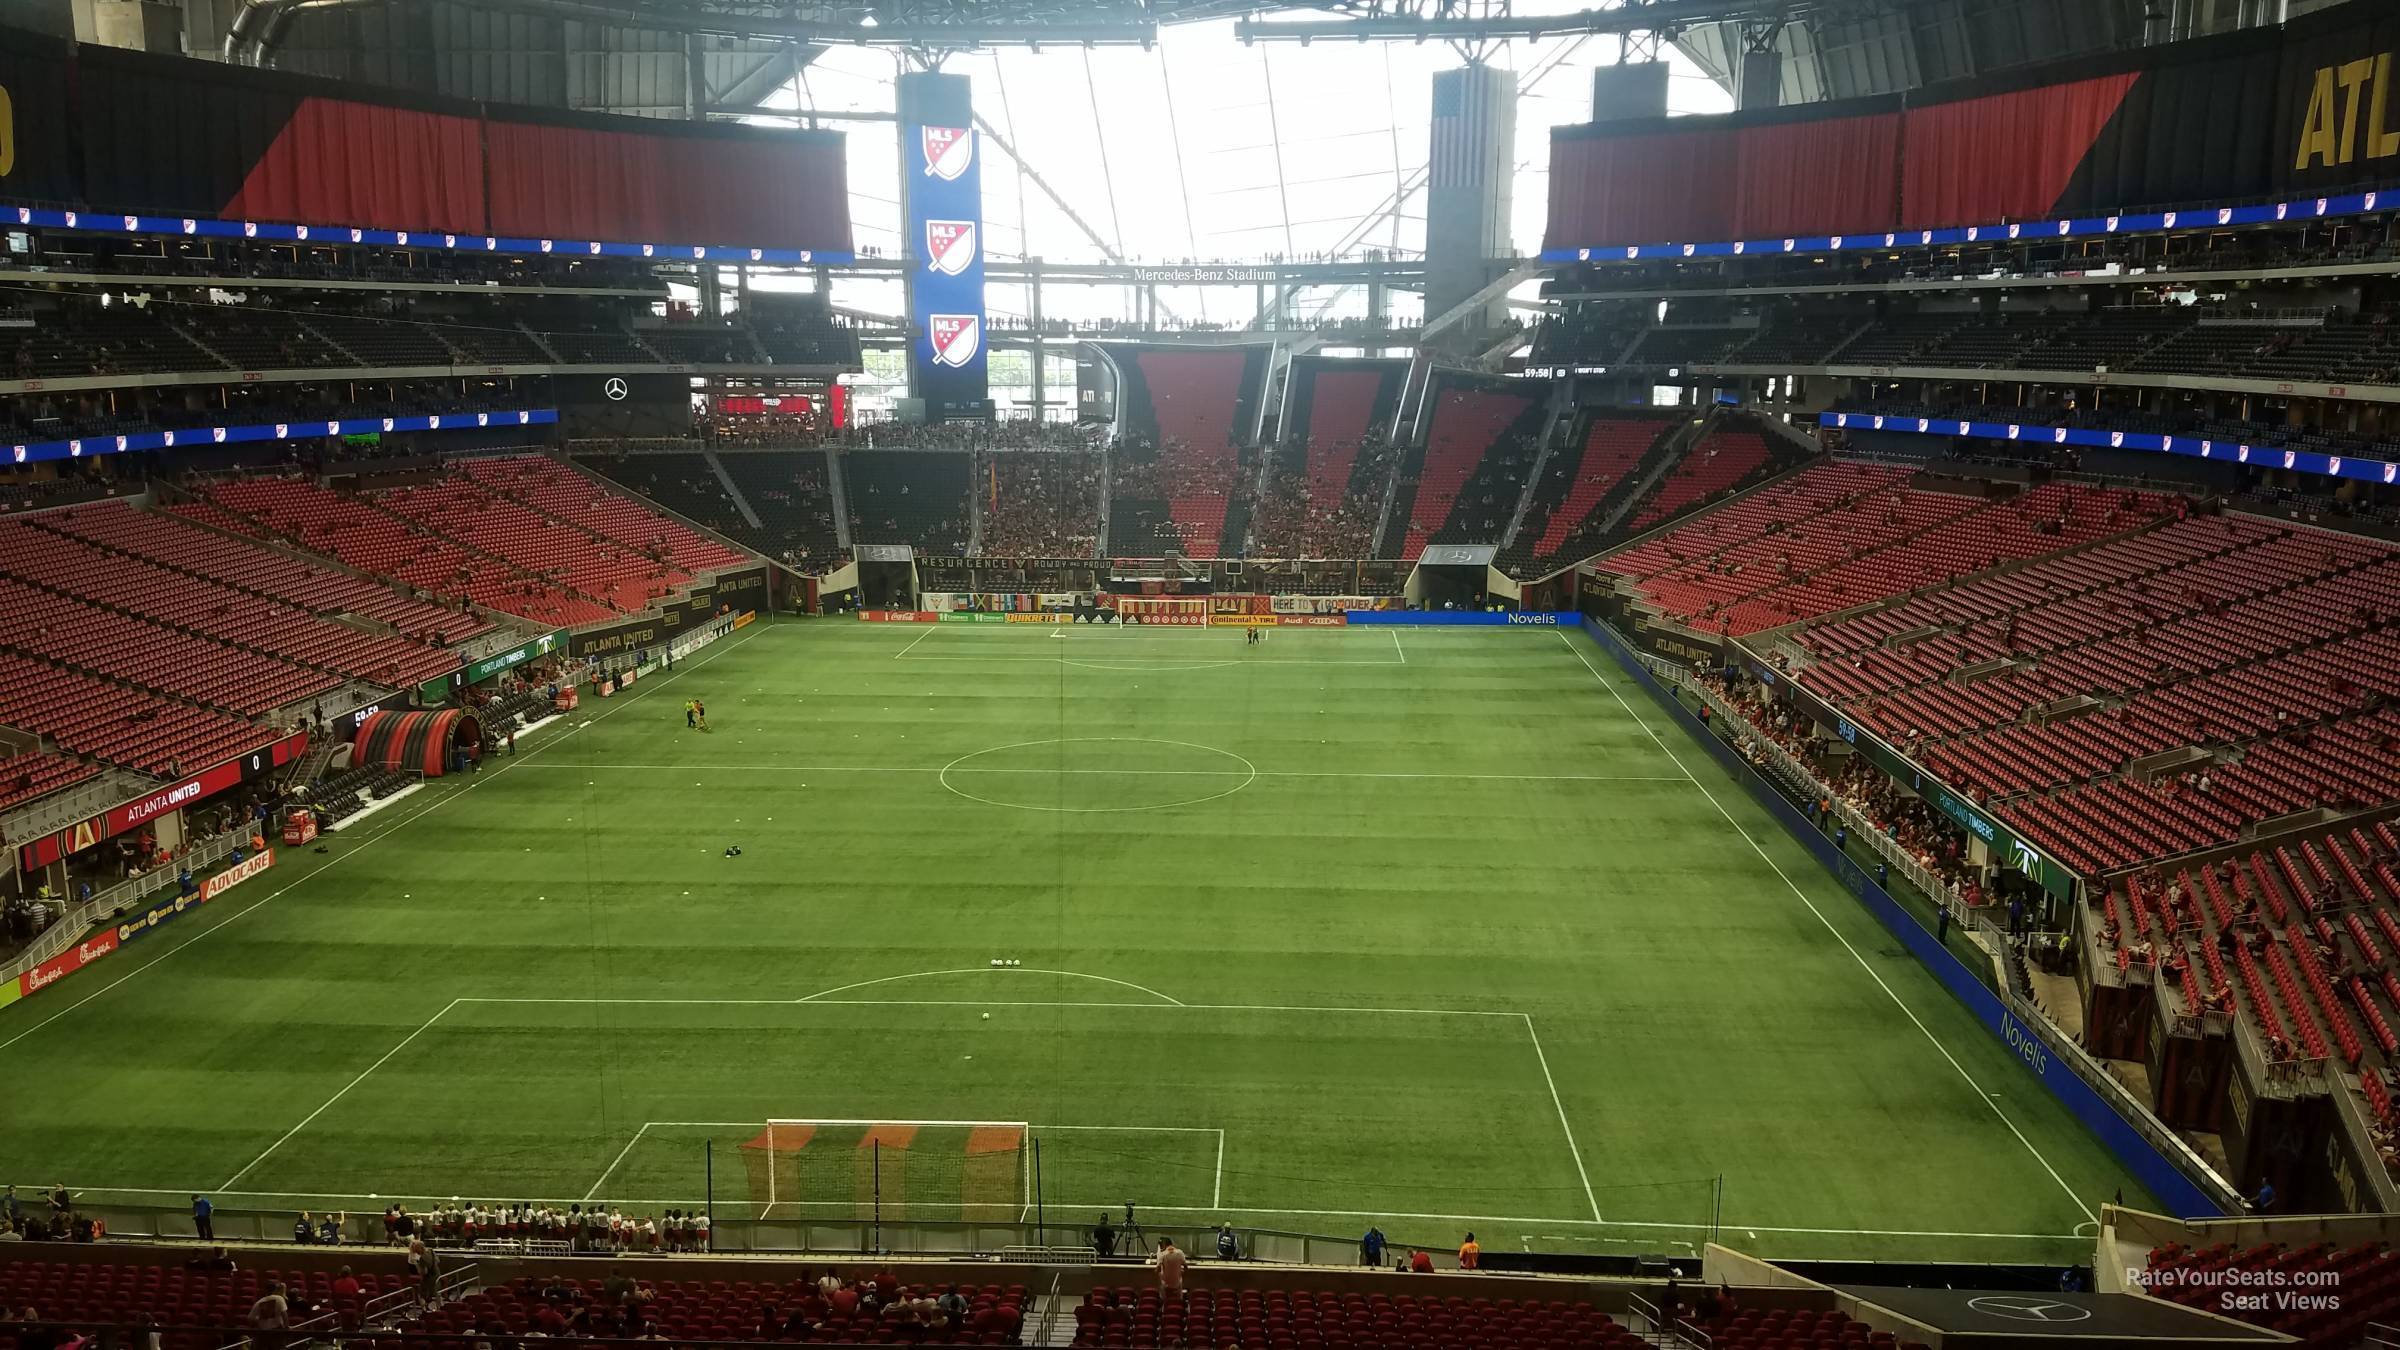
(75, 449)
(1962, 428)
(956, 338)
(2208, 449)
(2334, 465)
(490, 244)
(2243, 455)
(1787, 245)
(2116, 440)
(2283, 210)
(387, 424)
(190, 226)
(1741, 246)
(1974, 232)
(249, 229)
(120, 445)
(1879, 421)
(595, 248)
(1633, 250)
(949, 246)
(2289, 456)
(170, 437)
(2015, 230)
(757, 253)
(301, 231)
(132, 224)
(2014, 430)
(2065, 228)
(2171, 220)
(24, 215)
(2168, 445)
(449, 241)
(70, 218)
(401, 238)
(217, 434)
(524, 419)
(2224, 215)
(698, 252)
(949, 151)
(333, 428)
(1890, 239)
(358, 236)
(545, 246)
(1837, 241)
(647, 250)
(1687, 249)
(483, 419)
(2388, 470)
(1924, 425)
(282, 430)
(2058, 435)
(2320, 206)
(2112, 224)
(1924, 236)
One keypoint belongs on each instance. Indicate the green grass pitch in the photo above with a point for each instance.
(1436, 928)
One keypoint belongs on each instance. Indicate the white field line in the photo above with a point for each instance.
(384, 1059)
(1572, 1147)
(613, 1163)
(1989, 1099)
(1162, 773)
(358, 846)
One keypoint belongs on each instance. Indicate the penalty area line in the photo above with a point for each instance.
(1989, 1099)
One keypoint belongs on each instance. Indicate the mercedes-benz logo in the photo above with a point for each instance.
(614, 387)
(2028, 1308)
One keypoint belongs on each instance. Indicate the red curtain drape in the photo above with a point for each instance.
(581, 183)
(1642, 188)
(1981, 160)
(1834, 175)
(368, 164)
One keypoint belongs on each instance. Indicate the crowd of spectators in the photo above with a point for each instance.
(1040, 505)
(454, 1223)
(1295, 519)
(1936, 843)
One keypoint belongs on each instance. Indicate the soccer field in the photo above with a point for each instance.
(1435, 928)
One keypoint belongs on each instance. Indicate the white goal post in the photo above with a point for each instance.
(929, 1169)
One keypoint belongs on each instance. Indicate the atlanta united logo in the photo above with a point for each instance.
(949, 246)
(949, 151)
(956, 338)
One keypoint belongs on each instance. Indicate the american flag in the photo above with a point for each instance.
(1459, 113)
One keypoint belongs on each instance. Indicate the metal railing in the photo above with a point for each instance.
(75, 923)
(1062, 1243)
(2135, 1112)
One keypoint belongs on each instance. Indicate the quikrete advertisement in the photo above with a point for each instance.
(133, 928)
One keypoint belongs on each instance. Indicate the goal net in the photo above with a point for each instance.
(899, 1169)
(1189, 611)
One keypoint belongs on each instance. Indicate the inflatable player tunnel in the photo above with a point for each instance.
(421, 741)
